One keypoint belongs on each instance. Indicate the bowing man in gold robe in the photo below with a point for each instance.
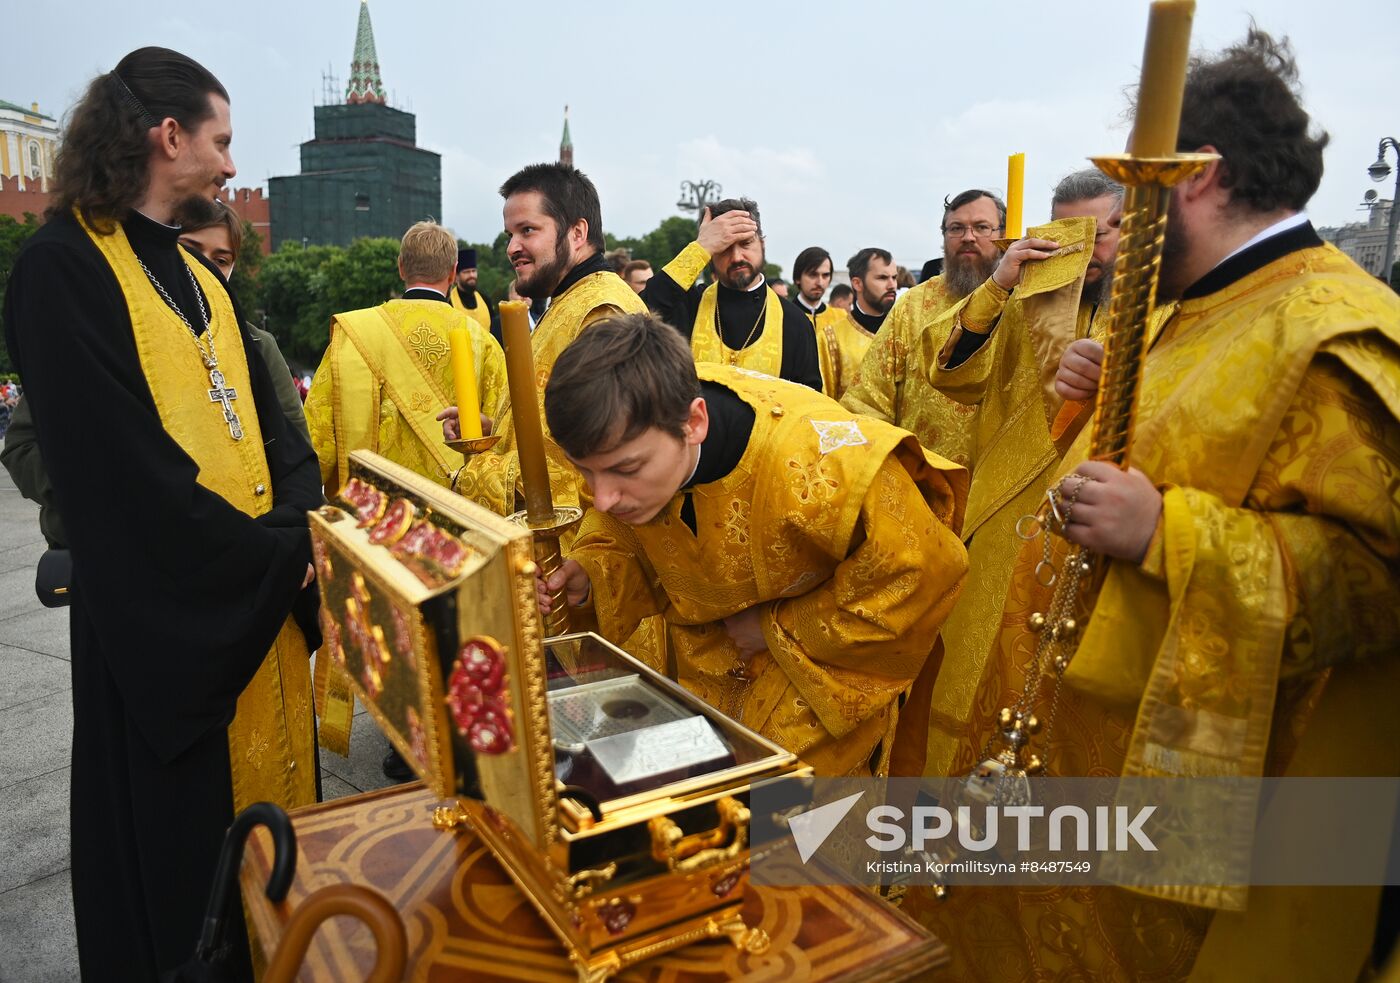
(387, 374)
(1248, 623)
(802, 558)
(738, 319)
(464, 295)
(555, 224)
(997, 351)
(892, 381)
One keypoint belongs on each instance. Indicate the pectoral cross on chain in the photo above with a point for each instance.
(225, 395)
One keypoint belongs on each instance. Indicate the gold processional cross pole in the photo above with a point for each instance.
(1148, 172)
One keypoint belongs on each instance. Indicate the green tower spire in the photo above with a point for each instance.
(566, 145)
(365, 83)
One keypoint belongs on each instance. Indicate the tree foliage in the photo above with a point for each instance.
(299, 290)
(13, 236)
(244, 282)
(661, 245)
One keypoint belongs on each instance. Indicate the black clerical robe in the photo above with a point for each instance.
(870, 322)
(178, 595)
(677, 305)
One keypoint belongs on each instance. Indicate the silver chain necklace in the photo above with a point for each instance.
(221, 394)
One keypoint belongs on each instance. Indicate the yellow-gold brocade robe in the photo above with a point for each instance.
(841, 529)
(490, 478)
(841, 346)
(481, 313)
(1009, 382)
(272, 756)
(892, 384)
(1259, 636)
(385, 377)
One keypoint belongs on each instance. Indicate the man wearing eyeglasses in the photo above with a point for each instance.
(997, 352)
(892, 383)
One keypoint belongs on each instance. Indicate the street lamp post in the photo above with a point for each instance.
(1379, 171)
(696, 197)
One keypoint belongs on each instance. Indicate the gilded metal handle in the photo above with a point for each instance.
(697, 851)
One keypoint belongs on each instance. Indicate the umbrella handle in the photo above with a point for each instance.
(364, 903)
(225, 890)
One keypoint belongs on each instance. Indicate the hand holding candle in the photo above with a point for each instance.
(525, 408)
(1015, 194)
(464, 382)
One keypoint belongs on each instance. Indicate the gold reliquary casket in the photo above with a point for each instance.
(616, 800)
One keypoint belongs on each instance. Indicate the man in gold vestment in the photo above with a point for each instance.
(184, 492)
(1248, 621)
(892, 382)
(997, 350)
(739, 319)
(384, 382)
(841, 343)
(555, 224)
(387, 373)
(802, 558)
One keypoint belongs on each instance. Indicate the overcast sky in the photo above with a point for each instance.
(848, 122)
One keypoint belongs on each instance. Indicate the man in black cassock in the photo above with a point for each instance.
(178, 594)
(464, 295)
(731, 241)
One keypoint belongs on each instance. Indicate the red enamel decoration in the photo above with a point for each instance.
(416, 737)
(726, 884)
(490, 732)
(374, 682)
(479, 713)
(436, 548)
(323, 560)
(403, 636)
(484, 664)
(391, 528)
(367, 501)
(464, 699)
(616, 915)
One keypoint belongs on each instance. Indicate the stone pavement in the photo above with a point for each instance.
(36, 724)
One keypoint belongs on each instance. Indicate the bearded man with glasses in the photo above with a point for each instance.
(997, 352)
(892, 383)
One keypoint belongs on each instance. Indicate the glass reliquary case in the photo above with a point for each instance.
(616, 800)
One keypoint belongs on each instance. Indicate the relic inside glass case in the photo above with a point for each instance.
(616, 799)
(619, 733)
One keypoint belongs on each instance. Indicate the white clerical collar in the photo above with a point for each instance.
(862, 310)
(699, 449)
(424, 286)
(805, 306)
(1281, 226)
(758, 282)
(157, 221)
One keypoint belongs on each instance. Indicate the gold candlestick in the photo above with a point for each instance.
(545, 522)
(471, 446)
(1148, 180)
(1002, 778)
(549, 557)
